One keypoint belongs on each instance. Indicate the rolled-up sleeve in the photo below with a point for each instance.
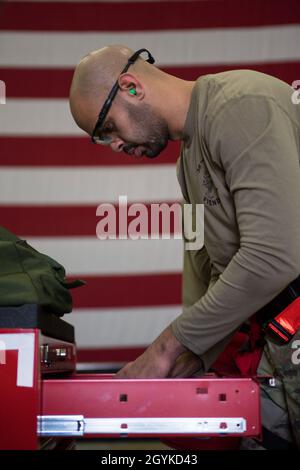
(256, 144)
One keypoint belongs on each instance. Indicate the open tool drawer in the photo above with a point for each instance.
(98, 405)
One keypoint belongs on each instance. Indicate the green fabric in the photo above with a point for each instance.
(30, 277)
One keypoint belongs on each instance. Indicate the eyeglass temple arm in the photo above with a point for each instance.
(114, 89)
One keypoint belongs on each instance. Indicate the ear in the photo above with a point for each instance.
(127, 82)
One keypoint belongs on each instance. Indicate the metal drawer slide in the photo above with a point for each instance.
(78, 426)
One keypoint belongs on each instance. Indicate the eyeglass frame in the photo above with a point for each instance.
(112, 94)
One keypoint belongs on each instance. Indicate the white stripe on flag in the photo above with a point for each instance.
(37, 117)
(120, 327)
(92, 256)
(180, 47)
(88, 185)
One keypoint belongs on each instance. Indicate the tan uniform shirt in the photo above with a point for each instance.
(241, 160)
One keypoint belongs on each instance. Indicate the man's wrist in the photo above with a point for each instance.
(168, 345)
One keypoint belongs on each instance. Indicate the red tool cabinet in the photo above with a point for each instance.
(44, 403)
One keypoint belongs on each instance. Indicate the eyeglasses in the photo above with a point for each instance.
(99, 135)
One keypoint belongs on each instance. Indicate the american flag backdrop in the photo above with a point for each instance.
(52, 179)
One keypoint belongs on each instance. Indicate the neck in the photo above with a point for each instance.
(176, 108)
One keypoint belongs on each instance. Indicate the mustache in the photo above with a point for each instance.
(129, 150)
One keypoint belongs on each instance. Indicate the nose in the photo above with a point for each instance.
(117, 144)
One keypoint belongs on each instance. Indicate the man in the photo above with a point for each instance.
(240, 134)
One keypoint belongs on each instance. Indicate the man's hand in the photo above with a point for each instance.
(186, 365)
(157, 361)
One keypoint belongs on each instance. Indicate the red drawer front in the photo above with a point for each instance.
(108, 407)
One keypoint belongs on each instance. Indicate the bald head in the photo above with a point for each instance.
(94, 77)
(149, 108)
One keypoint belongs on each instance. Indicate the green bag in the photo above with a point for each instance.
(30, 277)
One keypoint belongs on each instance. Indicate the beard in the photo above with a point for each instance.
(151, 132)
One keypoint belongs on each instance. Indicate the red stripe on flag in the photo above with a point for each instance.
(55, 83)
(62, 221)
(128, 291)
(118, 355)
(72, 151)
(36, 83)
(130, 16)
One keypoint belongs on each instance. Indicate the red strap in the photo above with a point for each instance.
(225, 364)
(248, 362)
(235, 361)
(289, 318)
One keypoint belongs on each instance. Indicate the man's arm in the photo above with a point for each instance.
(255, 143)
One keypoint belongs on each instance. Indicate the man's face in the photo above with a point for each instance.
(135, 130)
